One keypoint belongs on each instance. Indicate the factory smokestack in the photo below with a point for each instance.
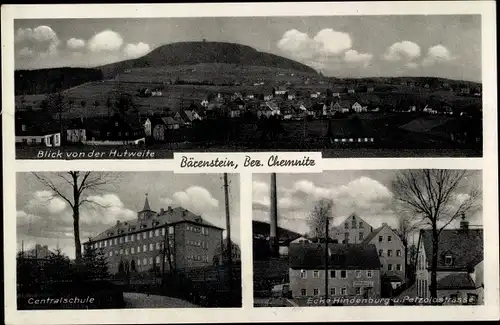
(273, 234)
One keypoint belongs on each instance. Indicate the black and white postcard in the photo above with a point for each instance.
(250, 162)
(373, 233)
(97, 240)
(119, 89)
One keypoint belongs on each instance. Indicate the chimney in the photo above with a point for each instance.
(464, 224)
(273, 236)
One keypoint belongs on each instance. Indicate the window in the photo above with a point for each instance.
(369, 274)
(121, 251)
(389, 252)
(360, 236)
(145, 261)
(150, 260)
(343, 274)
(144, 235)
(132, 250)
(138, 249)
(116, 241)
(316, 291)
(151, 247)
(448, 259)
(380, 252)
(398, 252)
(361, 225)
(333, 274)
(303, 274)
(315, 274)
(380, 238)
(332, 292)
(158, 246)
(157, 259)
(163, 231)
(343, 291)
(138, 262)
(389, 267)
(144, 248)
(358, 274)
(170, 230)
(151, 234)
(126, 239)
(398, 267)
(105, 243)
(110, 253)
(131, 237)
(358, 290)
(353, 225)
(121, 240)
(157, 232)
(138, 236)
(303, 292)
(346, 225)
(389, 238)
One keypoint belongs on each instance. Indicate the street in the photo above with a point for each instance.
(142, 300)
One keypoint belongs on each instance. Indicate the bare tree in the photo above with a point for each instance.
(320, 215)
(407, 224)
(437, 197)
(74, 187)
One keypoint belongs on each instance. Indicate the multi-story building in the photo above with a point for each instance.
(148, 241)
(459, 264)
(353, 270)
(353, 230)
(391, 254)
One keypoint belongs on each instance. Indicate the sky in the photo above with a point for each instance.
(341, 46)
(366, 193)
(49, 222)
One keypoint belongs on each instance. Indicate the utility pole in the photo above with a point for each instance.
(326, 260)
(273, 227)
(228, 234)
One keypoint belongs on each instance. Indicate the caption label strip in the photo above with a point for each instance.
(290, 162)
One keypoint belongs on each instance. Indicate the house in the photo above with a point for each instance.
(147, 127)
(205, 103)
(460, 265)
(391, 253)
(336, 95)
(301, 240)
(316, 110)
(249, 96)
(465, 90)
(136, 245)
(157, 92)
(280, 91)
(76, 132)
(353, 270)
(38, 252)
(315, 94)
(236, 95)
(353, 230)
(268, 97)
(268, 109)
(358, 108)
(341, 107)
(287, 113)
(429, 110)
(158, 128)
(120, 127)
(144, 92)
(291, 96)
(370, 89)
(32, 127)
(351, 91)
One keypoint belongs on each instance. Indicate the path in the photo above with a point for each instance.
(142, 300)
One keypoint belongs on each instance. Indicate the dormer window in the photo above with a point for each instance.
(23, 127)
(448, 260)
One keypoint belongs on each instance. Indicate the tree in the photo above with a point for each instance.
(319, 216)
(124, 102)
(72, 187)
(222, 253)
(407, 224)
(95, 262)
(96, 104)
(437, 197)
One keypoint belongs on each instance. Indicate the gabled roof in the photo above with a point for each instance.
(35, 122)
(465, 246)
(375, 232)
(454, 281)
(341, 256)
(169, 216)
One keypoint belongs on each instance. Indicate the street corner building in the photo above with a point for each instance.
(460, 265)
(172, 238)
(353, 271)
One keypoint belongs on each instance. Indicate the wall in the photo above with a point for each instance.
(354, 232)
(38, 138)
(394, 245)
(310, 283)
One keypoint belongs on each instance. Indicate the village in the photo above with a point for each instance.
(286, 111)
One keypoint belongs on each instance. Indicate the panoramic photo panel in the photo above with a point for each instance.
(368, 238)
(99, 240)
(120, 89)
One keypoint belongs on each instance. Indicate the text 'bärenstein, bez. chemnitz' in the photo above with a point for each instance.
(272, 161)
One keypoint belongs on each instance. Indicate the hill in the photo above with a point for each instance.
(192, 53)
(263, 228)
